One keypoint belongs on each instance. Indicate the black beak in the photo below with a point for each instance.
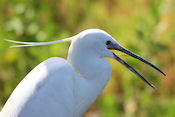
(120, 48)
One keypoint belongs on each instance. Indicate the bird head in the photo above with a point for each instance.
(96, 42)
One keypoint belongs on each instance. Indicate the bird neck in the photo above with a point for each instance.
(94, 75)
(90, 66)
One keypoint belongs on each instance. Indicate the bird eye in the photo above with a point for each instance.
(108, 42)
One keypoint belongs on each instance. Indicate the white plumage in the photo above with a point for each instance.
(66, 88)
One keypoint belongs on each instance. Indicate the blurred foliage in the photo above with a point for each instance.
(146, 27)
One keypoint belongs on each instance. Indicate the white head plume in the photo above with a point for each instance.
(26, 44)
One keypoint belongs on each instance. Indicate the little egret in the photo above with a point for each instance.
(66, 88)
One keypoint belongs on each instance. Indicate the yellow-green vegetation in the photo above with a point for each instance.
(146, 27)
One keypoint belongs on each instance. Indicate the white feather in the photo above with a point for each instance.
(54, 88)
(26, 44)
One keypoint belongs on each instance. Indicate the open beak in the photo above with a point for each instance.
(120, 48)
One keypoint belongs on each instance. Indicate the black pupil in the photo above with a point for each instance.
(108, 42)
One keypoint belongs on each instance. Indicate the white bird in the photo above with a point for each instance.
(66, 88)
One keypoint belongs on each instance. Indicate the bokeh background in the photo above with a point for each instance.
(146, 27)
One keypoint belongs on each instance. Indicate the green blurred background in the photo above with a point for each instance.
(146, 27)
